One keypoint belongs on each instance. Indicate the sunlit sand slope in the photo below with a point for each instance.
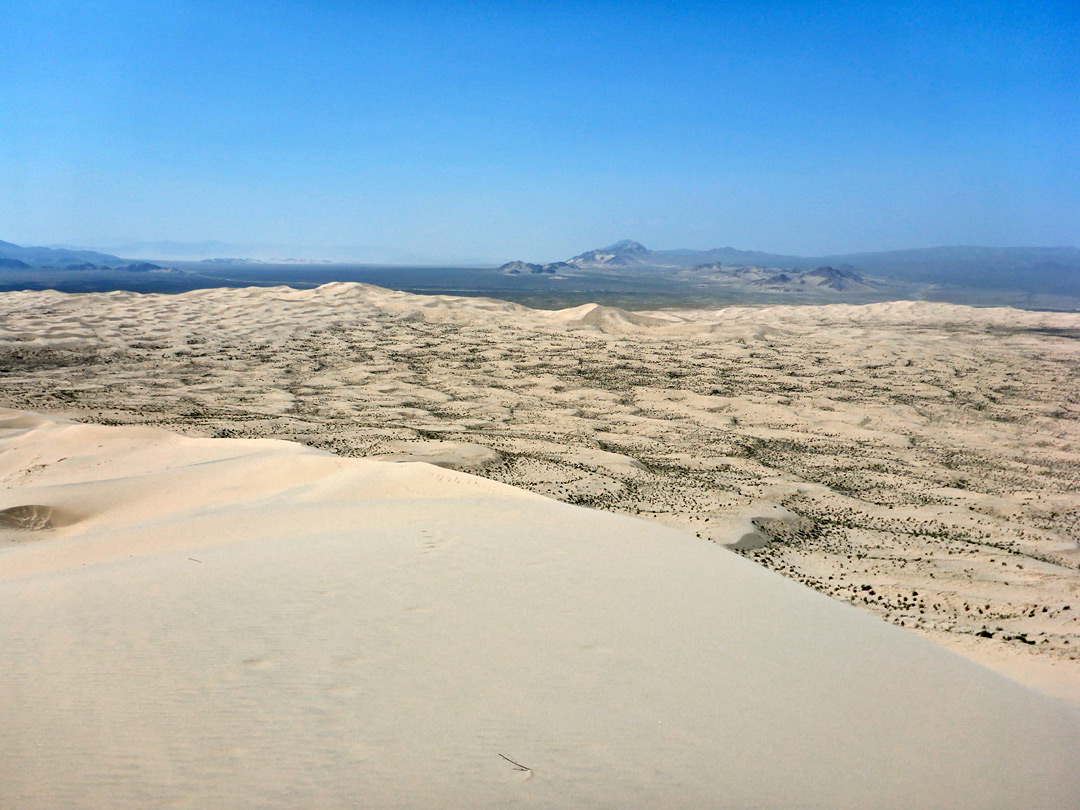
(206, 623)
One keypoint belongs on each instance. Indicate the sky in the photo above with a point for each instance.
(487, 131)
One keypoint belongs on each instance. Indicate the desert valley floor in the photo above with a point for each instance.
(919, 461)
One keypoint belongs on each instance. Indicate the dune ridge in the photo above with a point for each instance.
(352, 300)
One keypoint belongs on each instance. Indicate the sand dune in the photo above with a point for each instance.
(107, 318)
(256, 623)
(916, 460)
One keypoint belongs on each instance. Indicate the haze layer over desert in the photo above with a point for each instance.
(916, 461)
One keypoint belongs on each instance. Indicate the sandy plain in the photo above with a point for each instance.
(919, 461)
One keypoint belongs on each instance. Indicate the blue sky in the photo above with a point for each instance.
(457, 131)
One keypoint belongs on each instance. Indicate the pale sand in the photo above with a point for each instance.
(921, 461)
(244, 623)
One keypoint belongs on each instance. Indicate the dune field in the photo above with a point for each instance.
(920, 461)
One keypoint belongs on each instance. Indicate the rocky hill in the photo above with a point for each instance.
(518, 268)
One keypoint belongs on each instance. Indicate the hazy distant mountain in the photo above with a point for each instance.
(16, 257)
(628, 253)
(787, 280)
(729, 256)
(1038, 269)
(55, 257)
(278, 253)
(1053, 270)
(622, 254)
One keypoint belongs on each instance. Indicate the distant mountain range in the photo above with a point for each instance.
(628, 253)
(1044, 271)
(791, 280)
(275, 253)
(18, 256)
(1052, 270)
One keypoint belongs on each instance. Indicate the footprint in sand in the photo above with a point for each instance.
(432, 541)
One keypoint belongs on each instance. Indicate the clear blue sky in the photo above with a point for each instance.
(538, 130)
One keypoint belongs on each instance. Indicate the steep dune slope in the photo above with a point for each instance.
(253, 623)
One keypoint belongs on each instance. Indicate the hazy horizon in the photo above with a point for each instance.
(212, 249)
(478, 133)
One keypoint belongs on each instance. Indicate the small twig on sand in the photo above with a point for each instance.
(194, 560)
(517, 765)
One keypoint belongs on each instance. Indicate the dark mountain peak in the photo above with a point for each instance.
(516, 268)
(836, 278)
(836, 273)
